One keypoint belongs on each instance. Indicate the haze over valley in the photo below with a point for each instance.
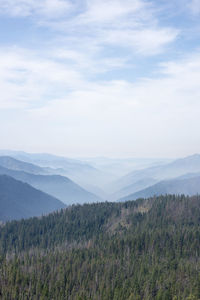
(87, 181)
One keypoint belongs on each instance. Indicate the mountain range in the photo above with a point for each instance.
(188, 186)
(58, 186)
(79, 171)
(141, 179)
(20, 200)
(181, 176)
(17, 165)
(122, 166)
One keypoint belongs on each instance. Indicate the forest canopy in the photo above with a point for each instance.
(144, 249)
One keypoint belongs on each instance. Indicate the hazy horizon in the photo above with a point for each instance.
(114, 157)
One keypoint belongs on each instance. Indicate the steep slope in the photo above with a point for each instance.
(58, 186)
(79, 171)
(190, 164)
(188, 186)
(132, 188)
(145, 249)
(20, 200)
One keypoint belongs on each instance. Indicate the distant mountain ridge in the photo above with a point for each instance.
(136, 186)
(58, 186)
(187, 186)
(53, 178)
(122, 166)
(79, 171)
(177, 168)
(17, 165)
(20, 200)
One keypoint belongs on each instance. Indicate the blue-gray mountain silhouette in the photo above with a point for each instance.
(20, 200)
(188, 186)
(58, 186)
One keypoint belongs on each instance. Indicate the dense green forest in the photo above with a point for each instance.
(144, 249)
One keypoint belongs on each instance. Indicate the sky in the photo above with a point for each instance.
(116, 78)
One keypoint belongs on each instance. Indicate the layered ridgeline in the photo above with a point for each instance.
(144, 249)
(187, 186)
(141, 179)
(98, 175)
(79, 171)
(58, 186)
(17, 165)
(19, 200)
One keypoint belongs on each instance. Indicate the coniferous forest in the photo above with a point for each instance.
(144, 249)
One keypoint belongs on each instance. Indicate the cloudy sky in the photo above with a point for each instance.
(118, 78)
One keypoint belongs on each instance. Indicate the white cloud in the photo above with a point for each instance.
(28, 79)
(144, 41)
(194, 6)
(86, 61)
(103, 11)
(83, 112)
(25, 8)
(177, 87)
(129, 23)
(119, 116)
(83, 117)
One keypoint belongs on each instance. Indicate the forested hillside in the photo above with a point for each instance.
(147, 249)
